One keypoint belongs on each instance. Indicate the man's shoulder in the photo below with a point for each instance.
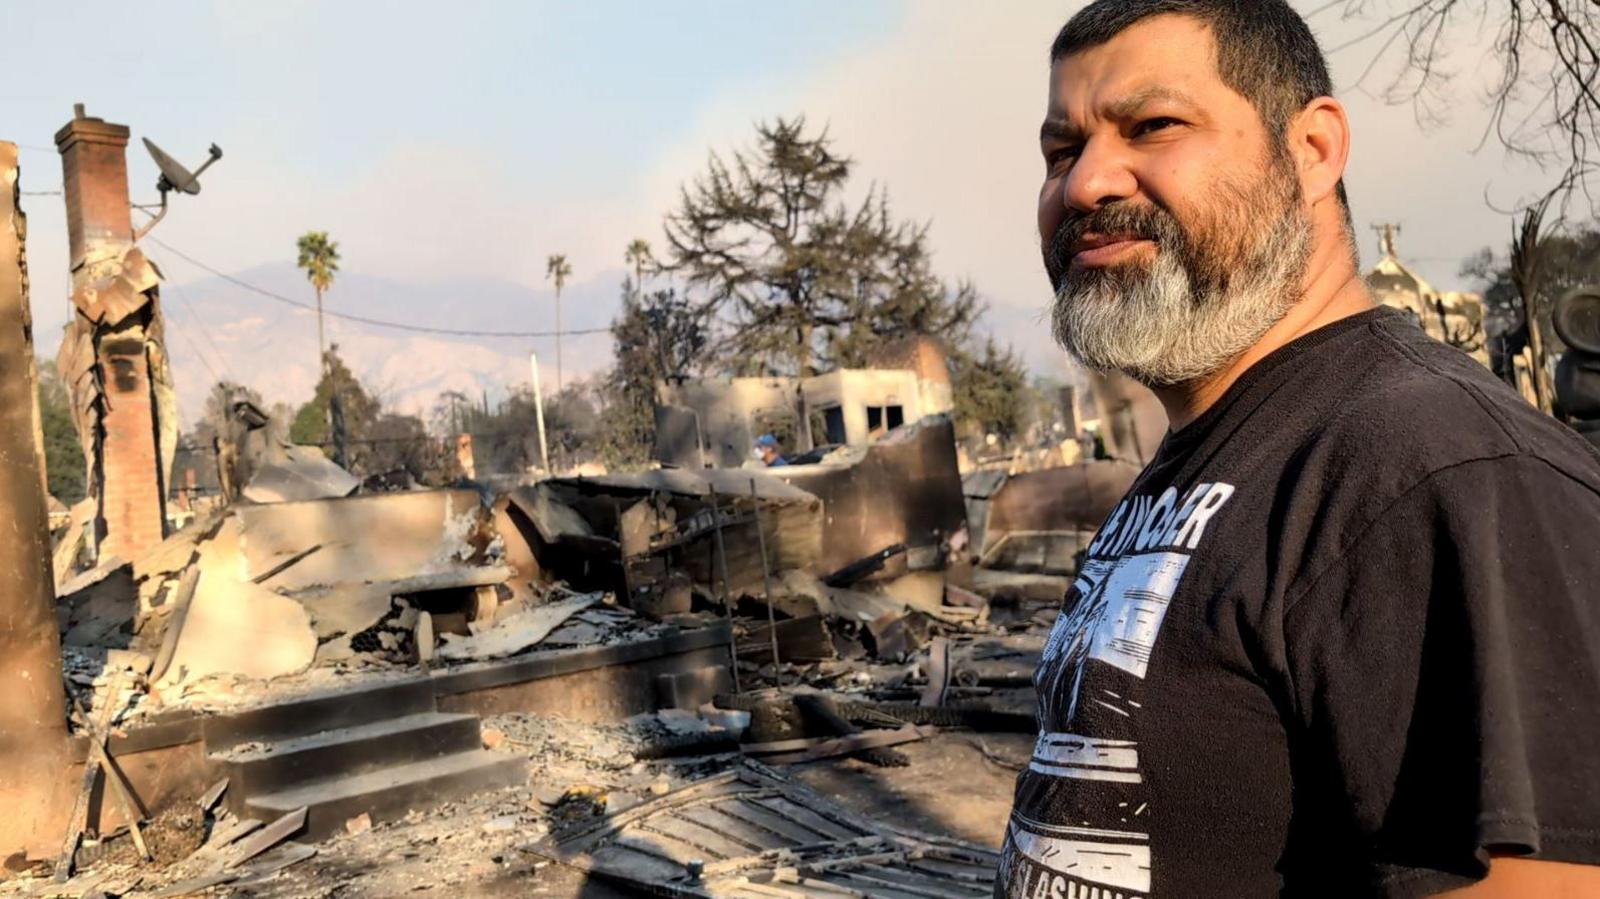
(1426, 437)
(1420, 406)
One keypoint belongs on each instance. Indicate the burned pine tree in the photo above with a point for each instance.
(802, 281)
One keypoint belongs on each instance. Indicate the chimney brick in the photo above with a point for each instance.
(100, 228)
(94, 170)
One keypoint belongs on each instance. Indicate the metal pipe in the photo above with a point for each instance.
(727, 602)
(538, 413)
(699, 438)
(766, 584)
(622, 553)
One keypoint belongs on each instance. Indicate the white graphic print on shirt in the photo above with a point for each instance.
(1076, 832)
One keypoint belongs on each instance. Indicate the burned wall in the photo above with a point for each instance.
(1038, 521)
(723, 411)
(905, 488)
(33, 717)
(1073, 497)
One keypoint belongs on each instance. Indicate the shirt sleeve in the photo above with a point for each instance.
(1444, 675)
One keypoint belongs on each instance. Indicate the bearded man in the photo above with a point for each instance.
(1342, 636)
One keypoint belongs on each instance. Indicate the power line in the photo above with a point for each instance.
(197, 354)
(205, 332)
(379, 323)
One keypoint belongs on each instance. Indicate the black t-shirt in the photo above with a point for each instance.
(1342, 637)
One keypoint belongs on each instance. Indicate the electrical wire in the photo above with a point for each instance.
(184, 333)
(194, 318)
(361, 319)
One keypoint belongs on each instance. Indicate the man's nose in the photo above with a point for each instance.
(1099, 176)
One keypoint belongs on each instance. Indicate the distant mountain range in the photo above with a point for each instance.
(218, 330)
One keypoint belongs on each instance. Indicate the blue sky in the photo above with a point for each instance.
(552, 102)
(467, 141)
(331, 84)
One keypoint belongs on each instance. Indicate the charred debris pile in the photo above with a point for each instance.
(871, 599)
(825, 571)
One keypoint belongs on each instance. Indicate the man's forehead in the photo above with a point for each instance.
(1165, 57)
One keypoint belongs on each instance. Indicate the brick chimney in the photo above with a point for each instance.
(126, 471)
(94, 165)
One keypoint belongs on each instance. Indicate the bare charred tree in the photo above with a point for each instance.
(1527, 274)
(1544, 103)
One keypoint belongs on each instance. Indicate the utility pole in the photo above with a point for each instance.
(557, 269)
(1386, 236)
(538, 412)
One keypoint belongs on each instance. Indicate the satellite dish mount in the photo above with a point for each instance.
(174, 177)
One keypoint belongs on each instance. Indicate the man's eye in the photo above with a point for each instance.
(1149, 126)
(1061, 156)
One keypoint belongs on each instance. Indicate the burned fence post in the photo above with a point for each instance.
(727, 601)
(33, 719)
(766, 583)
(622, 554)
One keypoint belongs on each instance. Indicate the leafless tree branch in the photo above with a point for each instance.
(1544, 99)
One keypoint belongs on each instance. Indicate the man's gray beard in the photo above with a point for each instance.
(1153, 325)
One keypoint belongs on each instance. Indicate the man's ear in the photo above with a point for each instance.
(1319, 144)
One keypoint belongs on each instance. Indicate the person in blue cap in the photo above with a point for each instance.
(766, 449)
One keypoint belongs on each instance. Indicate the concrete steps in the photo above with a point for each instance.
(312, 714)
(349, 750)
(389, 793)
(382, 751)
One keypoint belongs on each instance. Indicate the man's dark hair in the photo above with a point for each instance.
(1265, 51)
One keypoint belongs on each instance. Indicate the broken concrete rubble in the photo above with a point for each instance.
(586, 515)
(223, 615)
(98, 607)
(382, 537)
(298, 473)
(70, 541)
(620, 780)
(346, 609)
(467, 587)
(515, 633)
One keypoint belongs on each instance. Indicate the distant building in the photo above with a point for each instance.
(1452, 317)
(715, 421)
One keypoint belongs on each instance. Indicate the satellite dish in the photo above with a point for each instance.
(173, 175)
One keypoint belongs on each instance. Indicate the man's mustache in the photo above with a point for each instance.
(1139, 221)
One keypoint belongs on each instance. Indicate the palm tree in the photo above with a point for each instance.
(557, 269)
(319, 256)
(638, 255)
